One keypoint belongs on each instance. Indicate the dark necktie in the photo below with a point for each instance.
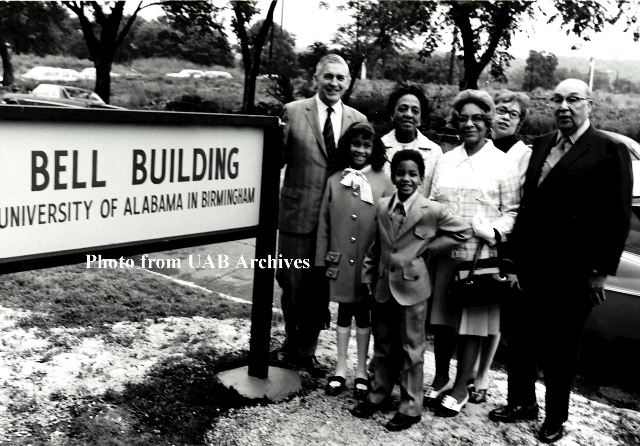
(327, 133)
(397, 218)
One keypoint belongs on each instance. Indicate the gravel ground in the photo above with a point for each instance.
(316, 419)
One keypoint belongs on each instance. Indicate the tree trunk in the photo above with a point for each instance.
(7, 68)
(103, 79)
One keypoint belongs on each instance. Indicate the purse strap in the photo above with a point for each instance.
(499, 248)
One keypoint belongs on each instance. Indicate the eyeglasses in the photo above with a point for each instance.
(556, 101)
(504, 111)
(463, 119)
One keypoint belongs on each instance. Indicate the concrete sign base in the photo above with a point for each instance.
(279, 384)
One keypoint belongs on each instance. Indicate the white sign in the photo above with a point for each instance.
(69, 186)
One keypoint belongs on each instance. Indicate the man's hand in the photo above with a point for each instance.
(596, 288)
(482, 228)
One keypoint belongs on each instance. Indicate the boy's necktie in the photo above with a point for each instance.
(397, 218)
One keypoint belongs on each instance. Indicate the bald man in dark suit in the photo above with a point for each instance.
(569, 234)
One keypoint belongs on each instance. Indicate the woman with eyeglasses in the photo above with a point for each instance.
(511, 110)
(481, 184)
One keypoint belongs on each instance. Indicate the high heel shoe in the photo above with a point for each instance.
(431, 398)
(450, 407)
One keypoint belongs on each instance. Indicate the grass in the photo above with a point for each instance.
(179, 397)
(76, 297)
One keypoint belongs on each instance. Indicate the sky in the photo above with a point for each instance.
(309, 23)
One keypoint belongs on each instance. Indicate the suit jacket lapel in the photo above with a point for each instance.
(347, 119)
(581, 147)
(312, 117)
(416, 212)
(539, 156)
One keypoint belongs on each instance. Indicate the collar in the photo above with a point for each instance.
(485, 152)
(323, 107)
(578, 133)
(422, 142)
(406, 204)
(504, 144)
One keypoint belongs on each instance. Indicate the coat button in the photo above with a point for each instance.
(355, 194)
(416, 277)
(353, 239)
(354, 216)
(351, 262)
(394, 250)
(393, 270)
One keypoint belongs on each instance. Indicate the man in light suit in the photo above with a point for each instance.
(569, 234)
(311, 133)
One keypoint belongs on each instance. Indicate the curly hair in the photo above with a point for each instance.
(407, 155)
(343, 154)
(478, 97)
(412, 90)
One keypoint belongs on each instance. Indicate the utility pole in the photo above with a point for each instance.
(592, 69)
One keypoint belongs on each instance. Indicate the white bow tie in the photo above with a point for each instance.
(357, 179)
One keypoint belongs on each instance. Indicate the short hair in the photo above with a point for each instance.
(478, 97)
(343, 155)
(407, 155)
(331, 58)
(506, 96)
(412, 90)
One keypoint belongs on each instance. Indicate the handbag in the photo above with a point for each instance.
(483, 282)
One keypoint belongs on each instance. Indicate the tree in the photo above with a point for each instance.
(279, 56)
(251, 48)
(196, 33)
(483, 30)
(379, 30)
(30, 27)
(308, 60)
(102, 48)
(540, 71)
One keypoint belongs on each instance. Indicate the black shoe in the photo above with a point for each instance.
(400, 422)
(509, 414)
(311, 365)
(361, 388)
(550, 432)
(365, 409)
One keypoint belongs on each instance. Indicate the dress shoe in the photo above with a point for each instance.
(361, 389)
(550, 432)
(311, 365)
(509, 414)
(335, 385)
(477, 396)
(450, 407)
(400, 422)
(365, 409)
(432, 397)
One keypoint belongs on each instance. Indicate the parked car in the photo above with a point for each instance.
(51, 74)
(187, 73)
(90, 73)
(634, 152)
(221, 74)
(47, 95)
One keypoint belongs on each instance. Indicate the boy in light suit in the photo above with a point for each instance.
(409, 228)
